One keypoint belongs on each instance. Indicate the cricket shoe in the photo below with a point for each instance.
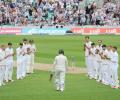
(3, 84)
(62, 90)
(0, 84)
(98, 80)
(105, 83)
(20, 78)
(115, 87)
(90, 78)
(6, 81)
(57, 89)
(11, 80)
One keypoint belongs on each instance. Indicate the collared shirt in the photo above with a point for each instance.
(9, 53)
(93, 51)
(60, 62)
(25, 47)
(33, 48)
(115, 57)
(19, 52)
(87, 48)
(2, 57)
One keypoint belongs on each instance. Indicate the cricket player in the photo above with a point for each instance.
(92, 59)
(33, 50)
(115, 64)
(98, 59)
(2, 64)
(60, 66)
(9, 63)
(25, 57)
(105, 66)
(28, 60)
(19, 52)
(109, 57)
(99, 46)
(87, 46)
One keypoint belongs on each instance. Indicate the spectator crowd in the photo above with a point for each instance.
(58, 12)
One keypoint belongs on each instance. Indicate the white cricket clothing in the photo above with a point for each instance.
(115, 64)
(99, 62)
(30, 58)
(9, 52)
(2, 57)
(20, 68)
(28, 63)
(2, 66)
(92, 63)
(60, 62)
(60, 65)
(105, 67)
(87, 48)
(109, 55)
(19, 52)
(99, 47)
(9, 64)
(87, 56)
(33, 48)
(25, 59)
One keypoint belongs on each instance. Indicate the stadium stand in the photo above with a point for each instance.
(59, 12)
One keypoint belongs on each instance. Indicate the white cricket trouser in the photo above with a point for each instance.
(87, 58)
(96, 68)
(110, 72)
(9, 70)
(99, 63)
(60, 79)
(105, 73)
(24, 67)
(91, 67)
(28, 63)
(19, 69)
(32, 62)
(2, 73)
(115, 81)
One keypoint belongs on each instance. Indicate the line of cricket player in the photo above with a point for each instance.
(25, 53)
(102, 62)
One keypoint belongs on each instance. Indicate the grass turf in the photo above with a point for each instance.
(37, 87)
(47, 46)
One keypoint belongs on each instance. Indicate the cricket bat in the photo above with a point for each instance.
(51, 77)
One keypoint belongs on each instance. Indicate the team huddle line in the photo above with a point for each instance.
(25, 60)
(102, 62)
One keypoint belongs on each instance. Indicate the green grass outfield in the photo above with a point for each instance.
(47, 46)
(37, 87)
(78, 87)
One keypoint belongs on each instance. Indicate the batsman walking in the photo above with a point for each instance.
(60, 66)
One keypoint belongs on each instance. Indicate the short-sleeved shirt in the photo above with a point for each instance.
(2, 58)
(87, 48)
(60, 62)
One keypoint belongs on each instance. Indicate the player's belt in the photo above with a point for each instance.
(2, 65)
(105, 64)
